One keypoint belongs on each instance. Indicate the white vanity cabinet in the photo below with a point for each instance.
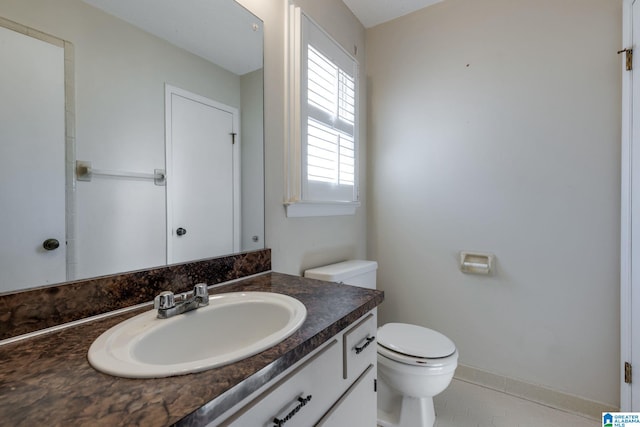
(332, 386)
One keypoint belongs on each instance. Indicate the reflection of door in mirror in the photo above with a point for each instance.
(32, 161)
(203, 171)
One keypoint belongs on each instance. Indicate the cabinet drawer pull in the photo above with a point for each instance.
(302, 401)
(364, 344)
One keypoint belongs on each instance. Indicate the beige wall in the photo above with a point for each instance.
(300, 243)
(494, 126)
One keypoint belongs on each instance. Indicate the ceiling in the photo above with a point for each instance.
(187, 27)
(220, 31)
(374, 12)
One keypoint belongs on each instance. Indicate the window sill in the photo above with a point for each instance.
(311, 209)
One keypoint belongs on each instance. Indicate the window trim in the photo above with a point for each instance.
(296, 42)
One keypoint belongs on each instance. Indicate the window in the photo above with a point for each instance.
(323, 123)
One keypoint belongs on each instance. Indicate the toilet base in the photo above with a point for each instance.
(398, 411)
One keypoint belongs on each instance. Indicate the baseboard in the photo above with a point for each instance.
(535, 393)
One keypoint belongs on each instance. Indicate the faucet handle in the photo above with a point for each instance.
(164, 300)
(201, 293)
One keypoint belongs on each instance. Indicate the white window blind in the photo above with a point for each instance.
(330, 125)
(324, 134)
(329, 134)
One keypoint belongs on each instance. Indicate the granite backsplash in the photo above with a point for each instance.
(30, 310)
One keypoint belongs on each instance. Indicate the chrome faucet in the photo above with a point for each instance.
(167, 307)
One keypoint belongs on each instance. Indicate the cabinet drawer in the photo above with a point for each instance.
(300, 398)
(359, 347)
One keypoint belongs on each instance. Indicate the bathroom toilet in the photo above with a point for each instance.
(414, 363)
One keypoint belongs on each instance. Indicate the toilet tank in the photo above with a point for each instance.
(355, 272)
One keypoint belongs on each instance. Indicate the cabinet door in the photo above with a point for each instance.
(357, 406)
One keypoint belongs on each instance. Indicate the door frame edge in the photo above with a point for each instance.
(625, 211)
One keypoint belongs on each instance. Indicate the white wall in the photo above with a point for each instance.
(494, 126)
(300, 243)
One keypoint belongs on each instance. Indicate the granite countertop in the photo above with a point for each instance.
(47, 380)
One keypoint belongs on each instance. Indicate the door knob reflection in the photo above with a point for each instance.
(51, 244)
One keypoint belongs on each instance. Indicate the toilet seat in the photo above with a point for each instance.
(414, 345)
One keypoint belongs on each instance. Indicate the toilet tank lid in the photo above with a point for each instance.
(342, 270)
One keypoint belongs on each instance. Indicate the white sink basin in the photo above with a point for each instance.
(232, 327)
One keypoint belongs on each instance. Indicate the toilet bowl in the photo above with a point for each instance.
(414, 363)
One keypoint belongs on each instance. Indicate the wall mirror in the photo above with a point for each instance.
(156, 155)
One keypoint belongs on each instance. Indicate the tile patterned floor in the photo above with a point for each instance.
(468, 405)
